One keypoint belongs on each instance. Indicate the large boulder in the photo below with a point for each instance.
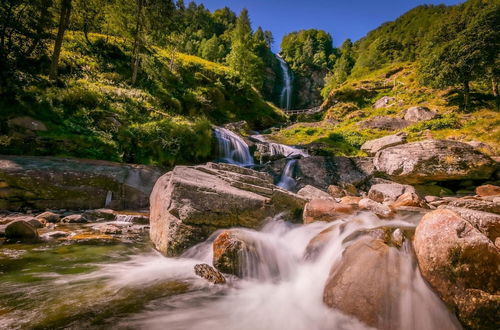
(373, 146)
(189, 203)
(477, 204)
(57, 183)
(21, 230)
(310, 193)
(388, 192)
(415, 114)
(326, 210)
(488, 190)
(433, 160)
(461, 262)
(385, 123)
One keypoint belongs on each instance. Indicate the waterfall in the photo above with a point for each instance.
(287, 181)
(231, 148)
(286, 92)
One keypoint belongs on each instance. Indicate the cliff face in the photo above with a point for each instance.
(307, 90)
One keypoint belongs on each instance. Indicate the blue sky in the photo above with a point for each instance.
(342, 19)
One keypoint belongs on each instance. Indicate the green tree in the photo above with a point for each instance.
(212, 49)
(64, 19)
(342, 68)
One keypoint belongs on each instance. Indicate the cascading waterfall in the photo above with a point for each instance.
(287, 180)
(231, 148)
(286, 92)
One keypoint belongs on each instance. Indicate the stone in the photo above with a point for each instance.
(310, 193)
(351, 200)
(433, 160)
(50, 217)
(74, 218)
(209, 273)
(27, 123)
(415, 114)
(55, 234)
(461, 264)
(476, 204)
(373, 146)
(384, 102)
(388, 192)
(189, 203)
(228, 250)
(20, 230)
(35, 223)
(482, 147)
(104, 214)
(381, 210)
(335, 191)
(74, 184)
(319, 241)
(409, 199)
(488, 190)
(385, 123)
(325, 210)
(110, 230)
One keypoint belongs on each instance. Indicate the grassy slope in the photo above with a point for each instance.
(355, 98)
(94, 112)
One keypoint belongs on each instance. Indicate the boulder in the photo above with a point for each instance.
(384, 102)
(335, 191)
(385, 123)
(461, 263)
(381, 210)
(56, 183)
(482, 147)
(408, 199)
(49, 217)
(351, 200)
(229, 249)
(477, 204)
(109, 230)
(415, 114)
(209, 273)
(325, 210)
(191, 202)
(20, 230)
(388, 192)
(55, 234)
(100, 214)
(310, 193)
(433, 160)
(26, 123)
(488, 190)
(373, 146)
(74, 218)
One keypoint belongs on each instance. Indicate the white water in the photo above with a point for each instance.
(287, 180)
(280, 149)
(281, 289)
(231, 148)
(286, 92)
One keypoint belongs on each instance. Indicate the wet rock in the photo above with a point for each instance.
(104, 214)
(433, 160)
(50, 217)
(318, 242)
(385, 123)
(351, 287)
(488, 190)
(325, 210)
(209, 273)
(190, 203)
(351, 200)
(381, 210)
(56, 183)
(135, 218)
(409, 199)
(373, 146)
(55, 234)
(228, 249)
(36, 223)
(388, 192)
(110, 230)
(20, 230)
(416, 114)
(461, 263)
(310, 193)
(477, 204)
(384, 102)
(74, 218)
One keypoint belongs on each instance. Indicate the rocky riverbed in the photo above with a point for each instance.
(406, 239)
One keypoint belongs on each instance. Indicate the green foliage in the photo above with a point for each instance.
(341, 70)
(447, 121)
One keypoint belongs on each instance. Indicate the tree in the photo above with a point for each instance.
(465, 52)
(242, 58)
(342, 68)
(212, 49)
(64, 18)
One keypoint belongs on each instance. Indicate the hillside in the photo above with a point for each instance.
(92, 110)
(341, 129)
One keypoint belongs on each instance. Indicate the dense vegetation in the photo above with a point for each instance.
(113, 79)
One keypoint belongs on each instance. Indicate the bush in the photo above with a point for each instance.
(447, 121)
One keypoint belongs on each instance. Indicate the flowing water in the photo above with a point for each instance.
(130, 286)
(231, 148)
(286, 92)
(287, 180)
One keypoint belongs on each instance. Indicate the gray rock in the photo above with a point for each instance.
(55, 234)
(477, 204)
(27, 123)
(433, 160)
(105, 214)
(50, 217)
(385, 123)
(110, 230)
(190, 203)
(74, 218)
(388, 192)
(487, 223)
(209, 273)
(310, 193)
(373, 146)
(381, 210)
(482, 147)
(416, 114)
(384, 102)
(56, 183)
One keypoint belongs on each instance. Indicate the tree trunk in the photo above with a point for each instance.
(63, 25)
(137, 41)
(494, 86)
(466, 94)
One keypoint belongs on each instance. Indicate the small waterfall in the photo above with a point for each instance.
(286, 92)
(231, 148)
(280, 149)
(287, 181)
